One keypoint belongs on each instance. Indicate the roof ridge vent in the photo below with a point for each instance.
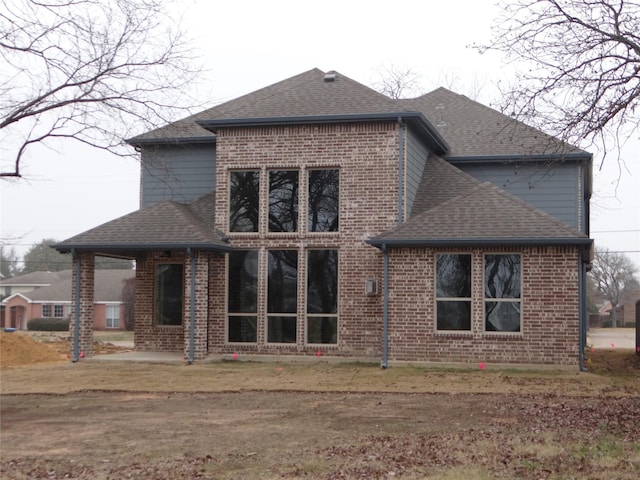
(330, 77)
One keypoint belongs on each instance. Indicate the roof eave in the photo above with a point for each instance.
(141, 142)
(469, 242)
(437, 141)
(141, 247)
(574, 156)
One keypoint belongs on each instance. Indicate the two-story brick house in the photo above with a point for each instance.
(317, 215)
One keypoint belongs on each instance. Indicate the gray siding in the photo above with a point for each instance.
(177, 172)
(416, 159)
(551, 188)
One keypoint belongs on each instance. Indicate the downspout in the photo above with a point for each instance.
(582, 340)
(400, 168)
(192, 309)
(385, 308)
(76, 331)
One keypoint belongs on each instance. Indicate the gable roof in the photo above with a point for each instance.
(36, 279)
(107, 288)
(164, 225)
(474, 213)
(310, 97)
(474, 130)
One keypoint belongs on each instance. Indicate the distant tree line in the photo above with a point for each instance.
(42, 258)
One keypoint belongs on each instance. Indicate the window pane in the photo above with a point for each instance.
(283, 201)
(243, 281)
(454, 315)
(323, 200)
(502, 276)
(322, 281)
(243, 328)
(46, 311)
(322, 330)
(244, 201)
(113, 316)
(281, 329)
(453, 276)
(282, 295)
(169, 291)
(502, 316)
(58, 311)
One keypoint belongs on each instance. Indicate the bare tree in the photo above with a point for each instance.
(397, 82)
(580, 78)
(611, 273)
(95, 71)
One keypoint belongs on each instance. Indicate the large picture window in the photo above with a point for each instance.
(169, 291)
(242, 296)
(453, 292)
(322, 296)
(323, 200)
(502, 292)
(282, 296)
(244, 205)
(283, 201)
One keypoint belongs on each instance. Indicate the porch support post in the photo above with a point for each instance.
(196, 312)
(81, 325)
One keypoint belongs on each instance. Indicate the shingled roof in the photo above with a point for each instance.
(107, 287)
(462, 127)
(164, 225)
(311, 97)
(440, 182)
(473, 130)
(306, 94)
(463, 211)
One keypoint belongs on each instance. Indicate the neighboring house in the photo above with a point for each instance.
(23, 284)
(317, 215)
(54, 301)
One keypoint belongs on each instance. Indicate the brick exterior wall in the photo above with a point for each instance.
(367, 158)
(87, 268)
(147, 335)
(550, 309)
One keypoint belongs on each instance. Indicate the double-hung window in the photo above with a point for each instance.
(502, 293)
(112, 316)
(453, 291)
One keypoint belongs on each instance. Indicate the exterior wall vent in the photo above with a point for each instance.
(330, 77)
(371, 286)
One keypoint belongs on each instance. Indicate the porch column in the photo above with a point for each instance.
(196, 293)
(82, 305)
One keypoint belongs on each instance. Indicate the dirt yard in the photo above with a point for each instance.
(237, 420)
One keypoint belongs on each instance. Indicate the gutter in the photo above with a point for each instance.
(509, 158)
(141, 247)
(400, 169)
(468, 242)
(385, 308)
(582, 309)
(75, 356)
(192, 312)
(437, 141)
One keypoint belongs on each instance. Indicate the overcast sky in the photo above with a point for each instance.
(251, 44)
